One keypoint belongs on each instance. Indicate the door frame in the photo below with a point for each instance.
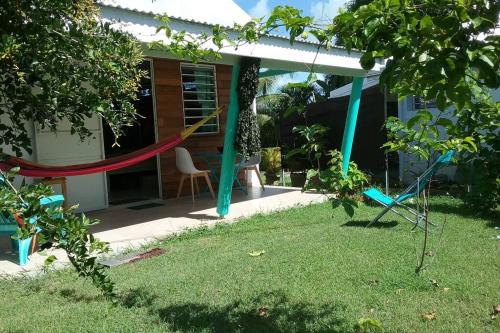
(155, 123)
(155, 118)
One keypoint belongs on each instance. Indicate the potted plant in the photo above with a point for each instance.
(271, 164)
(298, 170)
(312, 151)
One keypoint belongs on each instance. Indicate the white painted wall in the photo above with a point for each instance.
(409, 166)
(251, 176)
(62, 148)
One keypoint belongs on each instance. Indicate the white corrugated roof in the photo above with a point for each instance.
(275, 52)
(369, 82)
(223, 12)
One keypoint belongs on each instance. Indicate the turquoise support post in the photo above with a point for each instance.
(229, 154)
(350, 121)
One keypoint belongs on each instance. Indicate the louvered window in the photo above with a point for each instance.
(199, 94)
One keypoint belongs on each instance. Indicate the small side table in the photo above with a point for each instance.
(58, 181)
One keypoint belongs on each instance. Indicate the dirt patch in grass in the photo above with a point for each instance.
(149, 254)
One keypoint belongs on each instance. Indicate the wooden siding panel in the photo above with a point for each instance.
(168, 94)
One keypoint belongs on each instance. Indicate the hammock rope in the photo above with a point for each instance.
(30, 169)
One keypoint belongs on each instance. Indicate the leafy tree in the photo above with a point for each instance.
(332, 82)
(313, 146)
(267, 85)
(288, 99)
(439, 50)
(351, 6)
(57, 61)
(268, 117)
(444, 51)
(268, 101)
(298, 95)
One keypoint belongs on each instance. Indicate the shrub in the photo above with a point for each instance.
(271, 160)
(346, 188)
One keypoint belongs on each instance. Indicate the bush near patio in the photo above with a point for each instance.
(271, 164)
(321, 272)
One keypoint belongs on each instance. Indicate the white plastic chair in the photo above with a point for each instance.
(252, 164)
(185, 165)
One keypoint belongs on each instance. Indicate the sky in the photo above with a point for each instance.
(319, 9)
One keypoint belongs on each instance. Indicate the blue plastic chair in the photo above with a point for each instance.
(411, 191)
(51, 202)
(9, 226)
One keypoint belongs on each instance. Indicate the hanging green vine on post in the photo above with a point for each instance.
(247, 141)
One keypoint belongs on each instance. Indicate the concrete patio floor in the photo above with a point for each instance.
(127, 229)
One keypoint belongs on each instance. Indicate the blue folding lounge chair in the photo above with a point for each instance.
(411, 191)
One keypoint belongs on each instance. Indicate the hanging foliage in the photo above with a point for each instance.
(247, 141)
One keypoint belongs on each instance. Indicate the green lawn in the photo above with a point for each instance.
(321, 272)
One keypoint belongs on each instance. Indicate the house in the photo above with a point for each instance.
(175, 95)
(409, 165)
(406, 166)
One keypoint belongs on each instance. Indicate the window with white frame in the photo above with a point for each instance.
(199, 95)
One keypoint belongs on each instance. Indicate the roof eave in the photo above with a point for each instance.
(276, 52)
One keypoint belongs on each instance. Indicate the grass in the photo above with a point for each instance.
(321, 272)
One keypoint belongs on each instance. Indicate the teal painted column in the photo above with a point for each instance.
(350, 121)
(229, 154)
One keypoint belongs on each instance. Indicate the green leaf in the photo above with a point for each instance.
(348, 208)
(413, 121)
(426, 22)
(487, 60)
(471, 142)
(367, 61)
(49, 260)
(477, 21)
(445, 122)
(336, 203)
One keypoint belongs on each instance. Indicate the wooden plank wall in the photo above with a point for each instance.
(369, 136)
(167, 77)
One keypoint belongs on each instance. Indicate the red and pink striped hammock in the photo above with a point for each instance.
(30, 169)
